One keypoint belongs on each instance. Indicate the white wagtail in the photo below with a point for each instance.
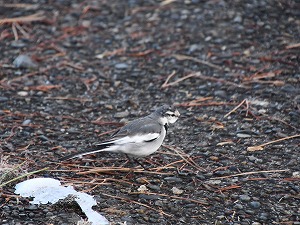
(138, 138)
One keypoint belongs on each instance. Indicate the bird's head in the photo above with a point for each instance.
(167, 114)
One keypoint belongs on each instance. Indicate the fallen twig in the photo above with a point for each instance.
(119, 169)
(199, 75)
(293, 46)
(171, 196)
(188, 104)
(235, 108)
(260, 147)
(166, 84)
(185, 57)
(138, 203)
(249, 173)
(23, 19)
(24, 175)
(69, 99)
(228, 188)
(185, 157)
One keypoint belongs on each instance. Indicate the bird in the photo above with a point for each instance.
(138, 138)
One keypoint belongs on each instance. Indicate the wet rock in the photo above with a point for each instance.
(172, 179)
(121, 66)
(255, 204)
(3, 99)
(123, 114)
(238, 206)
(26, 122)
(245, 198)
(24, 61)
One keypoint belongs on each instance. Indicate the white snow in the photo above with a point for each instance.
(46, 190)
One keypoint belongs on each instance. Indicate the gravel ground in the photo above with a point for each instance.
(78, 70)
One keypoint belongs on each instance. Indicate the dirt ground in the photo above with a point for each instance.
(72, 72)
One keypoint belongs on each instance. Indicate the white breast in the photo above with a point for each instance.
(141, 149)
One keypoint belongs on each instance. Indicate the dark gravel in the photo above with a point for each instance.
(93, 65)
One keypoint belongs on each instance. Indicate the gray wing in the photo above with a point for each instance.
(140, 126)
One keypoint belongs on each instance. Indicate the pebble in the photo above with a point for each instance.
(213, 182)
(288, 88)
(153, 187)
(3, 99)
(255, 204)
(18, 44)
(244, 198)
(26, 122)
(44, 138)
(173, 179)
(159, 203)
(121, 66)
(238, 206)
(24, 61)
(149, 197)
(238, 19)
(252, 158)
(241, 135)
(121, 114)
(176, 191)
(31, 207)
(250, 212)
(22, 93)
(221, 94)
(263, 216)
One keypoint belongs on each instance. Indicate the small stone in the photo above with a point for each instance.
(255, 204)
(142, 188)
(121, 114)
(149, 197)
(296, 174)
(252, 158)
(214, 182)
(238, 206)
(3, 99)
(153, 187)
(220, 93)
(244, 198)
(24, 61)
(121, 66)
(263, 216)
(176, 191)
(22, 93)
(32, 207)
(238, 19)
(18, 44)
(173, 179)
(288, 88)
(110, 107)
(241, 135)
(26, 122)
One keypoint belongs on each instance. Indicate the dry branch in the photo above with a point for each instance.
(23, 19)
(260, 147)
(138, 203)
(185, 57)
(166, 84)
(171, 196)
(249, 173)
(239, 105)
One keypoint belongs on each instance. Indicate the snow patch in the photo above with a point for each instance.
(46, 190)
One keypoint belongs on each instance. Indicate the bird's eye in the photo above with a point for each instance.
(170, 113)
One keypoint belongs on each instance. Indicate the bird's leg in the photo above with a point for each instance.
(135, 160)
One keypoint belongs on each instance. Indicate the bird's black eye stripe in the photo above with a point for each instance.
(169, 113)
